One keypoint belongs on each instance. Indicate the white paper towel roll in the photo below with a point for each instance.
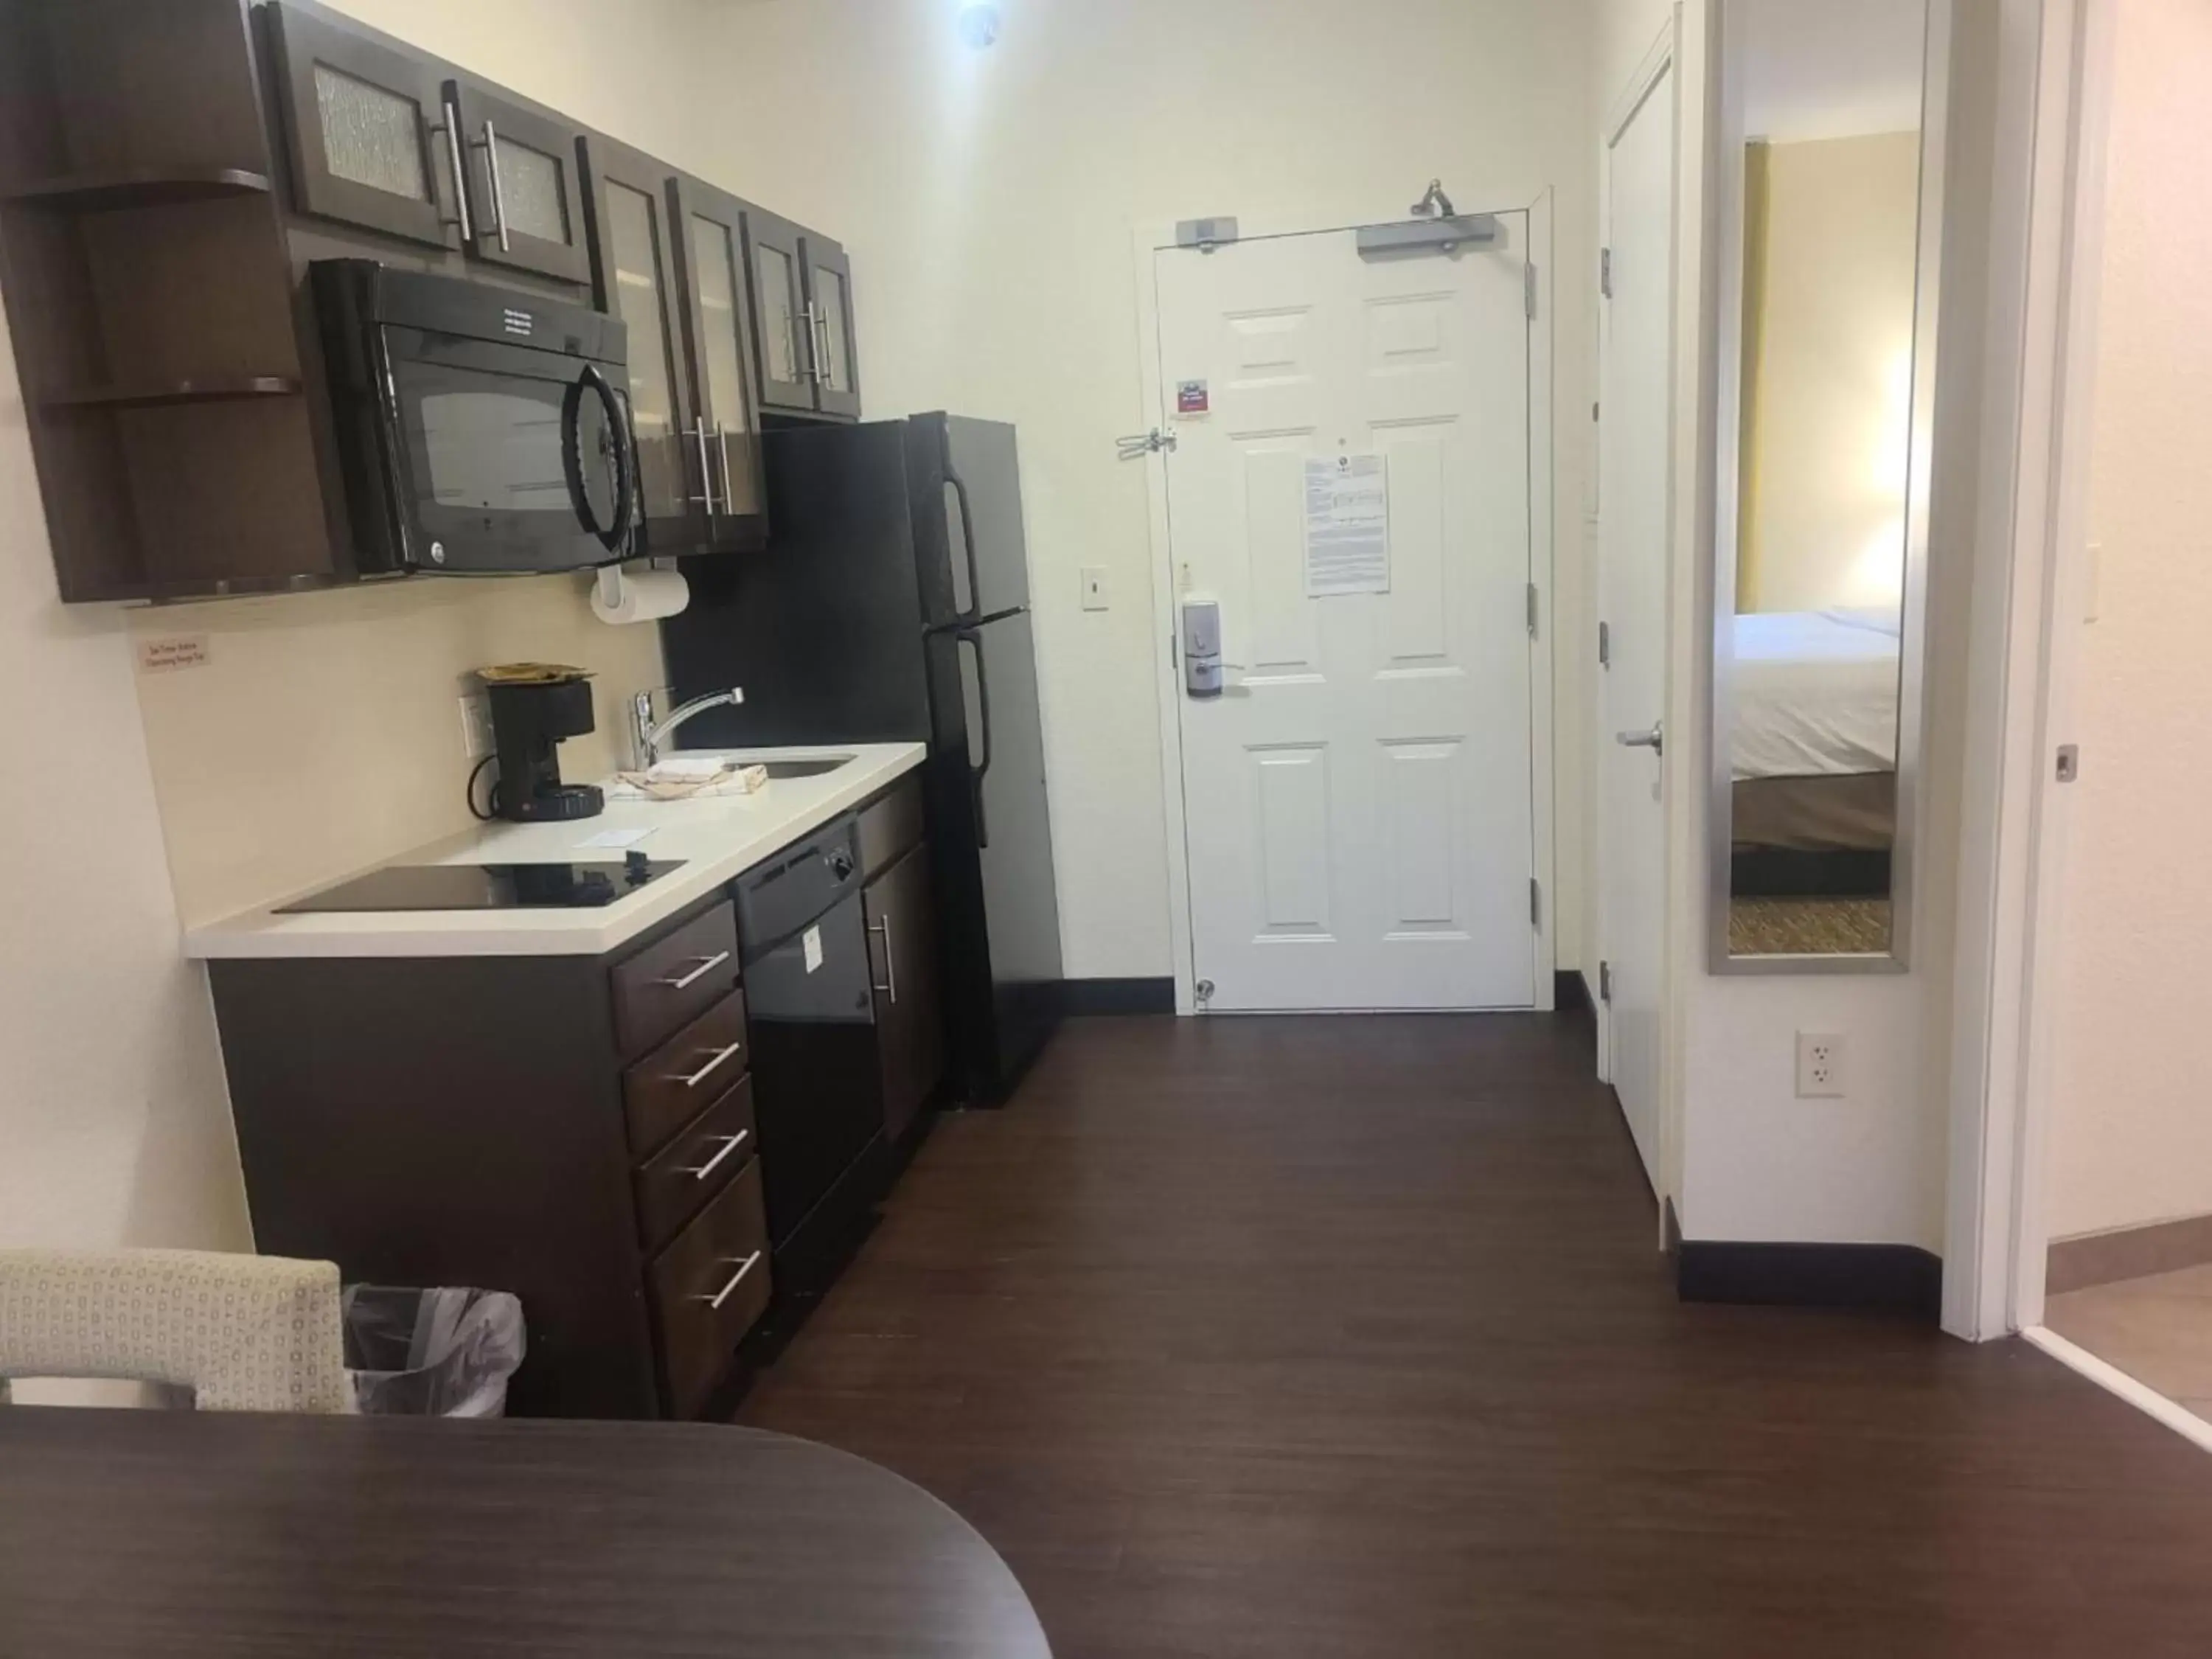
(647, 596)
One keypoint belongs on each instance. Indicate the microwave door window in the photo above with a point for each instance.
(488, 487)
(493, 452)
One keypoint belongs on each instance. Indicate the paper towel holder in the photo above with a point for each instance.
(611, 589)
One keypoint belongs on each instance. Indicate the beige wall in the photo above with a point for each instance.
(989, 201)
(2132, 1132)
(114, 1128)
(1833, 395)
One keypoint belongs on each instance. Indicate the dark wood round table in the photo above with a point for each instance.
(165, 1533)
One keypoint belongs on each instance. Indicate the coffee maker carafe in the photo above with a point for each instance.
(533, 707)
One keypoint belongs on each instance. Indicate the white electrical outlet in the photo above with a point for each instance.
(1094, 587)
(1820, 1057)
(476, 728)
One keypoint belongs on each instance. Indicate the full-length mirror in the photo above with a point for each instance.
(1830, 185)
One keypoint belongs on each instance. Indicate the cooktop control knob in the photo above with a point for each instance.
(841, 864)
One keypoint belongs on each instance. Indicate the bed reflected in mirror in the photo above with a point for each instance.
(1829, 320)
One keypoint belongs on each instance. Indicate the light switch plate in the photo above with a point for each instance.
(1820, 1059)
(476, 728)
(1094, 587)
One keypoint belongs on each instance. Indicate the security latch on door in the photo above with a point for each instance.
(1201, 647)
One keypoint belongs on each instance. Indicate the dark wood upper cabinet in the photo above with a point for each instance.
(668, 258)
(637, 275)
(366, 129)
(829, 305)
(802, 319)
(718, 335)
(782, 342)
(147, 286)
(525, 199)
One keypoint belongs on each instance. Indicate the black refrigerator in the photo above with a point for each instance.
(891, 603)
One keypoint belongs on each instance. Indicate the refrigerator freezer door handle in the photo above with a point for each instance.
(959, 488)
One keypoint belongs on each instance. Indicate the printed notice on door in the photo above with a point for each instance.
(1347, 527)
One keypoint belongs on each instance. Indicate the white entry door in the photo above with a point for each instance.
(1357, 800)
(1633, 458)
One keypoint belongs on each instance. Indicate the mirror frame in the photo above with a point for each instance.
(1727, 323)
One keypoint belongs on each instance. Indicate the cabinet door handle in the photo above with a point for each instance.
(706, 468)
(889, 987)
(706, 965)
(720, 1296)
(711, 1067)
(498, 191)
(460, 170)
(722, 441)
(730, 1144)
(822, 344)
(813, 346)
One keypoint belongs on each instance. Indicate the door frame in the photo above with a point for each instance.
(1659, 59)
(2032, 560)
(1149, 240)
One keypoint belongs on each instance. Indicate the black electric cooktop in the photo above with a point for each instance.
(486, 887)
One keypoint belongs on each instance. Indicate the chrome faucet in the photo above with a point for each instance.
(646, 736)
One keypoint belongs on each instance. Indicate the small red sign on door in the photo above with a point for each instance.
(1190, 397)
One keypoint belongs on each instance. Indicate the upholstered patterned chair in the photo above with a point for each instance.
(242, 1333)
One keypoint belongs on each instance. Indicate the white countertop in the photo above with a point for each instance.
(718, 838)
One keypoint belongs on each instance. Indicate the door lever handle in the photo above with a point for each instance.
(1655, 740)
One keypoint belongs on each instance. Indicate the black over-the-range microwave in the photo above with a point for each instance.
(480, 431)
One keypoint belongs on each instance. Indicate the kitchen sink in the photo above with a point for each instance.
(805, 769)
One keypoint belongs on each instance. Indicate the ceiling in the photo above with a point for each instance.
(1814, 69)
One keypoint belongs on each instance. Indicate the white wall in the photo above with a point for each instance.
(1757, 1162)
(2131, 1135)
(989, 200)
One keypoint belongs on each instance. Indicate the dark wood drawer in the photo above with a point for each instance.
(708, 1287)
(889, 826)
(675, 979)
(698, 1164)
(664, 1091)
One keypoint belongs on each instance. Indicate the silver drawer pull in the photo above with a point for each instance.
(730, 1144)
(890, 986)
(729, 1290)
(709, 1068)
(706, 965)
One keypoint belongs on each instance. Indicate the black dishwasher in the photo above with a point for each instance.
(817, 1088)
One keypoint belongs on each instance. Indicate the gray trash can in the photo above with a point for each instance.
(444, 1352)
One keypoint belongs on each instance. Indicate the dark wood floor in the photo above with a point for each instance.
(1277, 1338)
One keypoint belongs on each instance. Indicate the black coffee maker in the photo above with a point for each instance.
(533, 707)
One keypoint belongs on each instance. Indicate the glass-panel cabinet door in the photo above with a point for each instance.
(829, 294)
(783, 343)
(713, 255)
(526, 196)
(366, 131)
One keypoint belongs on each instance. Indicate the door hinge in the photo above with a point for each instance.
(1205, 234)
(1536, 903)
(1605, 982)
(1137, 445)
(1605, 644)
(2069, 762)
(1529, 289)
(1605, 272)
(1532, 610)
